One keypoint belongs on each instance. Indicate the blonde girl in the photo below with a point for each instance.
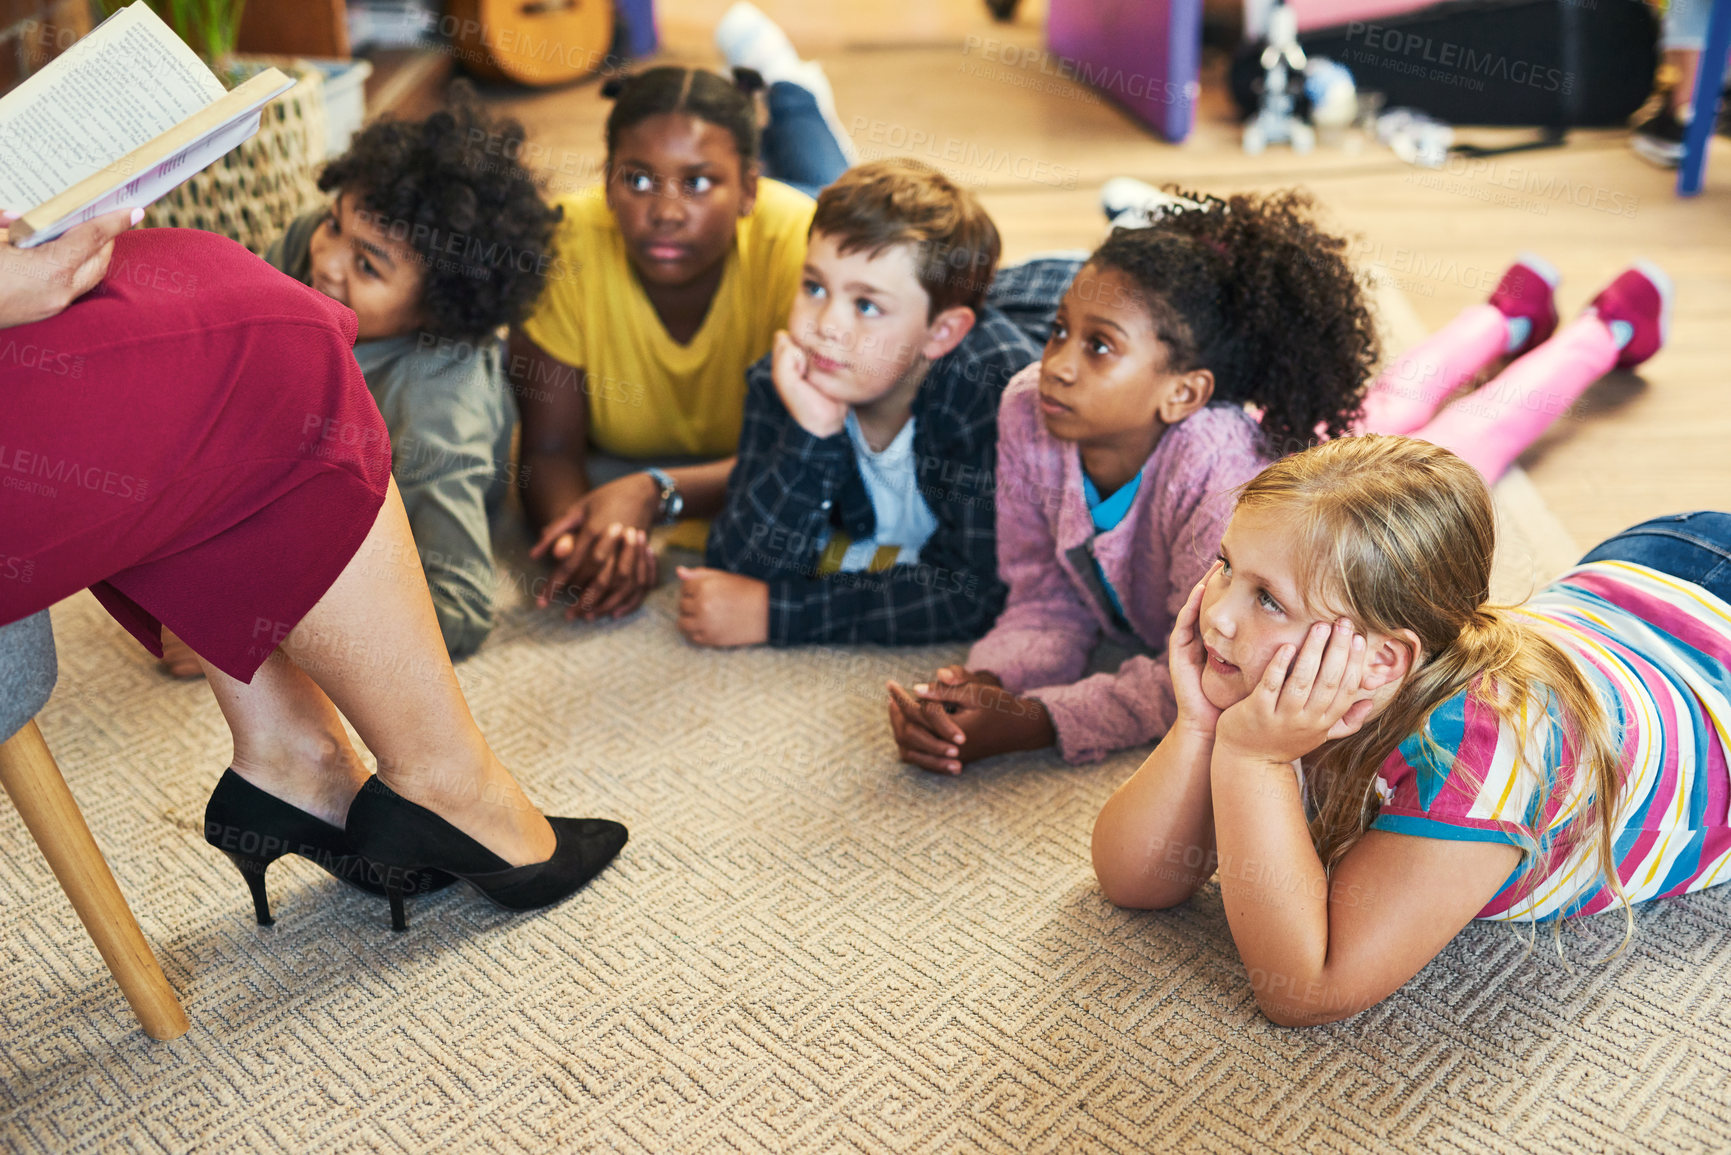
(1454, 759)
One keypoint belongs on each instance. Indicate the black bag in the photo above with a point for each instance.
(1555, 63)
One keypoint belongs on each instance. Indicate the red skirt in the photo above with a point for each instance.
(192, 441)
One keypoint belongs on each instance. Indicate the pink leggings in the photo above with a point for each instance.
(1494, 424)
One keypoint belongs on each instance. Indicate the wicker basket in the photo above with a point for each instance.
(254, 191)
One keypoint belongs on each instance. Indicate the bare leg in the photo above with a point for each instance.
(372, 648)
(1684, 60)
(288, 739)
(178, 659)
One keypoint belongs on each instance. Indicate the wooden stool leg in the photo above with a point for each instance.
(28, 773)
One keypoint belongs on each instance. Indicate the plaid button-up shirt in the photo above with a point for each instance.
(789, 491)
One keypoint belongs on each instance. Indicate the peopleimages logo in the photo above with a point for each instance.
(1451, 60)
(29, 472)
(1108, 78)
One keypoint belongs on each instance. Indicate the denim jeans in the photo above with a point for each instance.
(798, 145)
(1693, 546)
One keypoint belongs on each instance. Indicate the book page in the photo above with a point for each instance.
(128, 81)
(158, 165)
(159, 178)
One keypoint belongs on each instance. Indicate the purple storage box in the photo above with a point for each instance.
(1144, 54)
(637, 19)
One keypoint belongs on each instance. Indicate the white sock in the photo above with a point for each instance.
(1519, 329)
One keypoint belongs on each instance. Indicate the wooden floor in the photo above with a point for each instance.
(937, 79)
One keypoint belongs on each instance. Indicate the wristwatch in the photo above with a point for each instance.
(672, 501)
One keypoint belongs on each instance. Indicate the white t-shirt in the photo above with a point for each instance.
(904, 520)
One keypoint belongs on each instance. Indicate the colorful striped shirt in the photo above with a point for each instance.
(1657, 650)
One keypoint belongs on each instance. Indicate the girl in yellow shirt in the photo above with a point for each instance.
(669, 280)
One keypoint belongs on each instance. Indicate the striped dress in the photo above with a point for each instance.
(1658, 651)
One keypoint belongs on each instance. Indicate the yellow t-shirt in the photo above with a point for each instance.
(650, 396)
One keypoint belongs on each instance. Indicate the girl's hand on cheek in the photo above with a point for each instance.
(1186, 658)
(1303, 699)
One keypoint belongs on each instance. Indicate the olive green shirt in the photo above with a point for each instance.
(451, 416)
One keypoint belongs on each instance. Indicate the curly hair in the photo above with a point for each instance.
(1251, 289)
(453, 187)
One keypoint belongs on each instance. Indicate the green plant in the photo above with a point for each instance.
(209, 27)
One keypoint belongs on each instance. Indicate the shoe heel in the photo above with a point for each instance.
(253, 871)
(399, 918)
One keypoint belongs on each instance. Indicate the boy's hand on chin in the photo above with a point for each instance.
(722, 609)
(817, 412)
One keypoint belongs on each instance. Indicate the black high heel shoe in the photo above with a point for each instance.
(404, 838)
(255, 829)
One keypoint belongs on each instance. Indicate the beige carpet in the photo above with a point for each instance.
(805, 947)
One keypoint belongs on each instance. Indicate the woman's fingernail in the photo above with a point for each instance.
(951, 751)
(137, 215)
(921, 687)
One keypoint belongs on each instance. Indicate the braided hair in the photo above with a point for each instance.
(696, 92)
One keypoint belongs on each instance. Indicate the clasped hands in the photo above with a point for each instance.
(600, 547)
(962, 716)
(605, 567)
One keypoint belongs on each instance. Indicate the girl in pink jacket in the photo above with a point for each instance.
(1184, 358)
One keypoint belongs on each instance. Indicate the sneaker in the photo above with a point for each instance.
(1133, 204)
(1526, 295)
(1636, 307)
(749, 39)
(1659, 138)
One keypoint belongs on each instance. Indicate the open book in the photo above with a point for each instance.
(114, 122)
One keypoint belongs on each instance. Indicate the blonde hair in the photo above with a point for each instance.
(1398, 534)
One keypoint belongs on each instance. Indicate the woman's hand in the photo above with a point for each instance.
(39, 282)
(1186, 659)
(600, 546)
(943, 725)
(1299, 704)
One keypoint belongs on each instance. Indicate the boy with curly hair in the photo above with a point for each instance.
(436, 236)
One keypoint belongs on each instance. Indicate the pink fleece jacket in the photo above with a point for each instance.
(1057, 611)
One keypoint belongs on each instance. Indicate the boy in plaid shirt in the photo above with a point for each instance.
(860, 507)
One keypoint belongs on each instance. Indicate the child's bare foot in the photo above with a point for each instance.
(178, 658)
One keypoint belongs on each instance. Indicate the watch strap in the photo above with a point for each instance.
(670, 503)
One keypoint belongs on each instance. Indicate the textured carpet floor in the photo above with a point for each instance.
(805, 947)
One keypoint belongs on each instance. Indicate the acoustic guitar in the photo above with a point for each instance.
(533, 42)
